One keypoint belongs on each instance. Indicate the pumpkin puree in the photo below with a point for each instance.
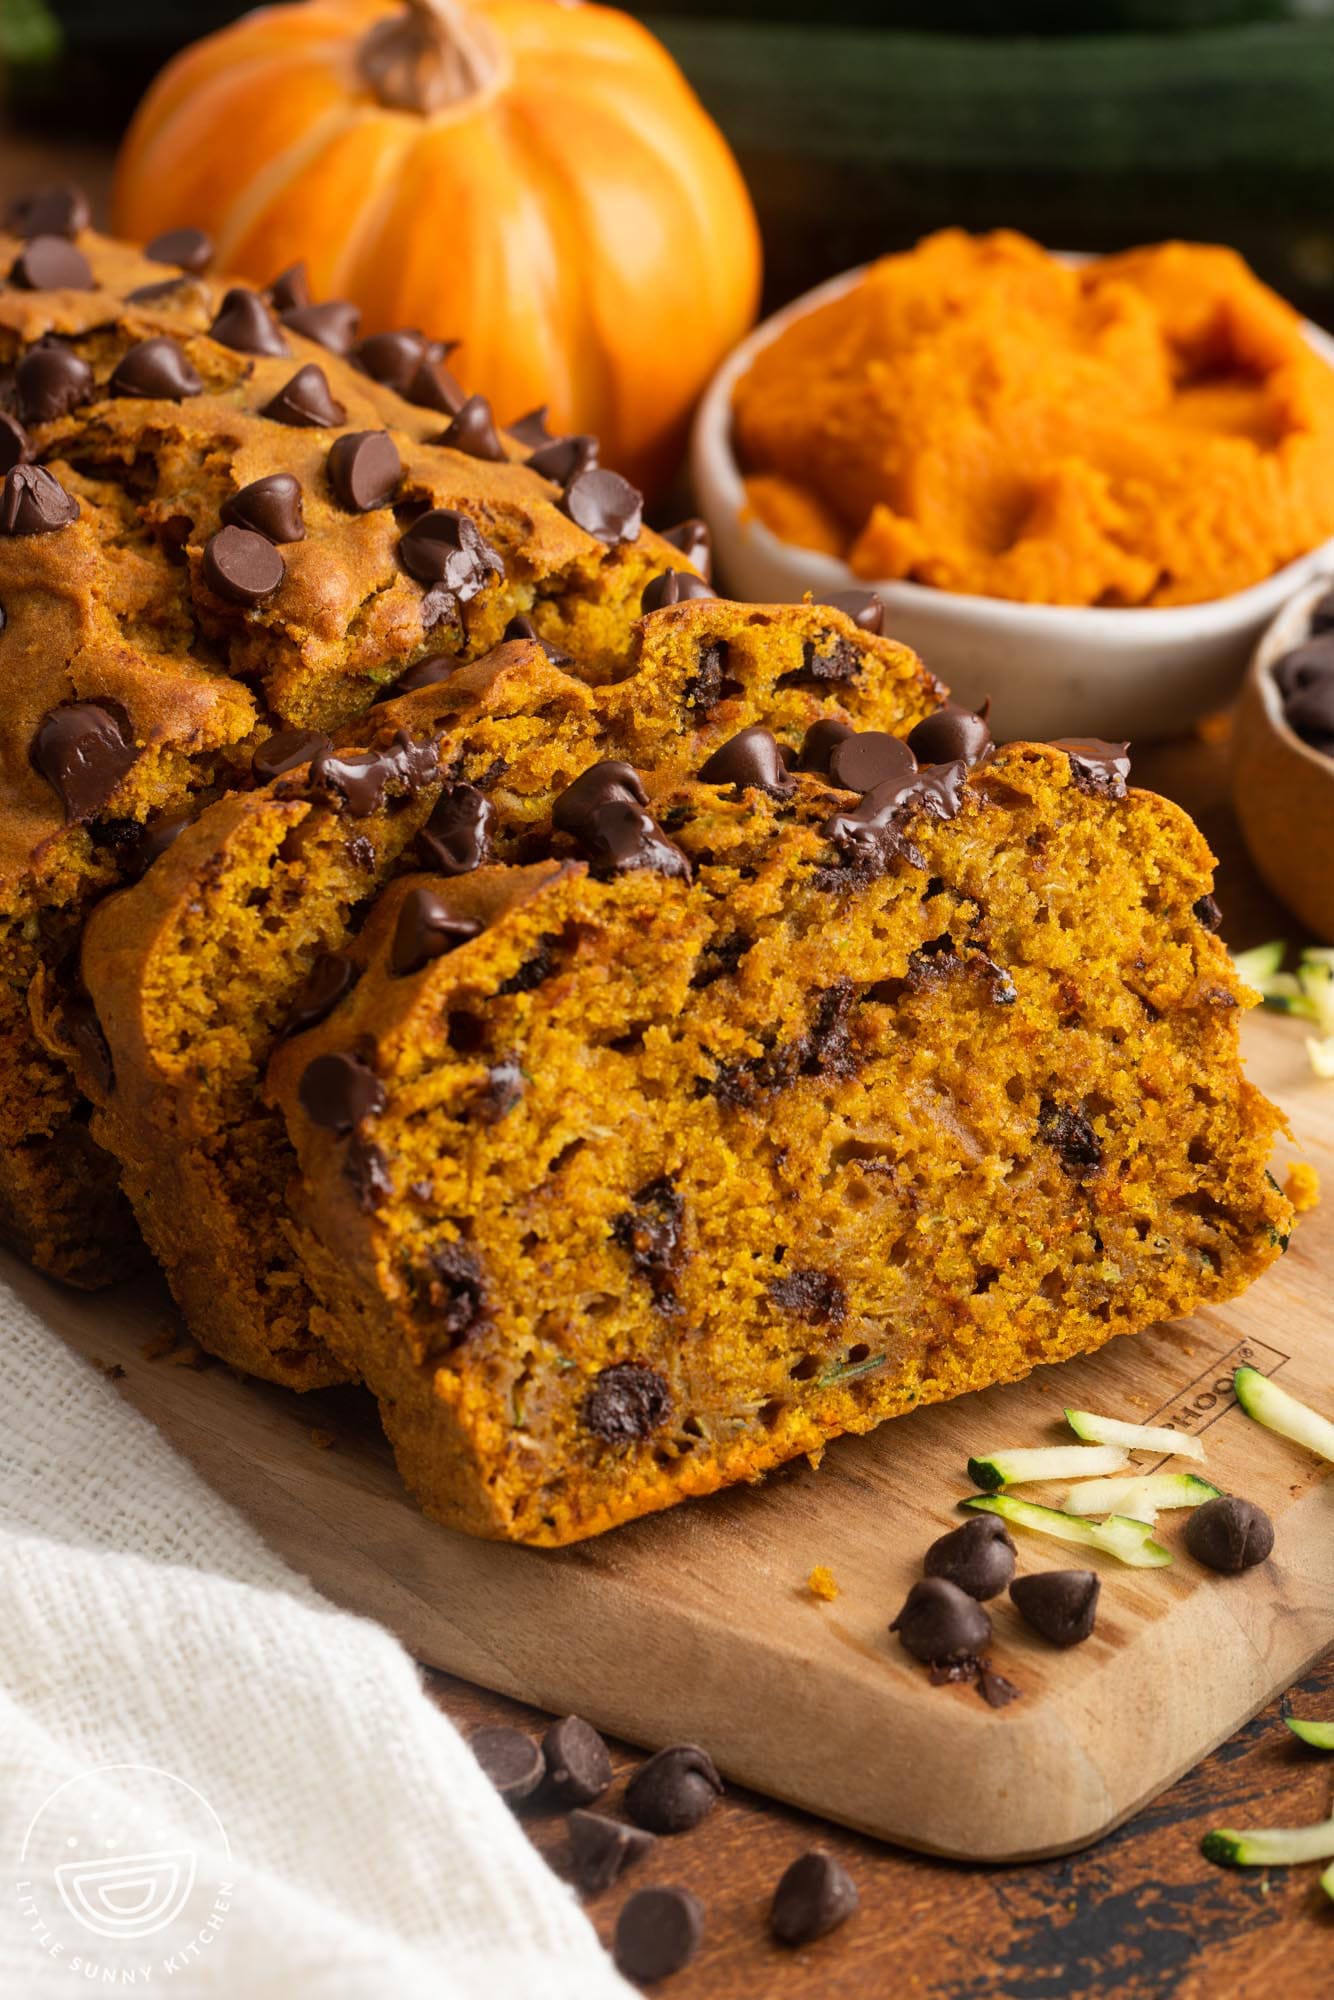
(1149, 428)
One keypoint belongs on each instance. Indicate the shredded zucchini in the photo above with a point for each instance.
(1320, 1735)
(1140, 1499)
(1269, 1846)
(1135, 1437)
(1278, 1411)
(1056, 1461)
(1130, 1542)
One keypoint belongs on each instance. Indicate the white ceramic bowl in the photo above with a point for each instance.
(1051, 670)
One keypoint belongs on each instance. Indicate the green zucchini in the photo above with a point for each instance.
(1270, 1846)
(1056, 1461)
(1140, 1499)
(1131, 1542)
(1278, 1411)
(1319, 1735)
(1135, 1437)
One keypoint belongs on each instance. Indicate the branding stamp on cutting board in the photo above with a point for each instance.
(1211, 1394)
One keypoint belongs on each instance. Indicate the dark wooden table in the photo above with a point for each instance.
(1142, 1916)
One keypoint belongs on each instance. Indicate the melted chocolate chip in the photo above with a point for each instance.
(51, 264)
(815, 1895)
(360, 780)
(674, 586)
(1229, 1534)
(457, 837)
(307, 402)
(523, 628)
(285, 751)
(473, 431)
(825, 1049)
(952, 734)
(426, 929)
(504, 1086)
(564, 458)
(710, 682)
(577, 1760)
(604, 505)
(444, 547)
(863, 607)
(50, 381)
(241, 566)
(838, 661)
(156, 369)
(650, 1232)
(601, 1849)
(1098, 768)
(14, 446)
(750, 759)
(79, 1020)
(290, 290)
(869, 835)
(33, 502)
(1073, 1139)
(817, 1297)
(941, 1623)
(364, 470)
(83, 749)
(600, 785)
(271, 507)
(427, 672)
(675, 1790)
(695, 542)
(152, 839)
(58, 210)
(330, 977)
(1207, 912)
(867, 758)
(979, 1557)
(1060, 1604)
(511, 1760)
(188, 249)
(819, 743)
(619, 837)
(333, 324)
(338, 1091)
(627, 1403)
(454, 1290)
(657, 1934)
(245, 324)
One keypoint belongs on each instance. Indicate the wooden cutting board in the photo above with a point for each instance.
(697, 1624)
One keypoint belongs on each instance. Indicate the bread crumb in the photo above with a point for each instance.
(111, 1369)
(1302, 1186)
(820, 1583)
(161, 1343)
(189, 1356)
(323, 1440)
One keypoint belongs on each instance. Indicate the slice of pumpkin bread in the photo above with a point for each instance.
(194, 972)
(763, 1106)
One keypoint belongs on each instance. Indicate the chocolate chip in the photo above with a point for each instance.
(359, 781)
(1060, 1604)
(392, 358)
(1098, 768)
(457, 837)
(58, 210)
(307, 402)
(511, 1760)
(188, 249)
(604, 505)
(1229, 1534)
(33, 502)
(51, 264)
(330, 977)
(523, 628)
(1072, 1137)
(445, 547)
(290, 290)
(473, 431)
(427, 672)
(1309, 710)
(867, 758)
(337, 1092)
(364, 470)
(695, 542)
(455, 1294)
(863, 607)
(285, 750)
(601, 1849)
(939, 1623)
(869, 835)
(710, 683)
(245, 324)
(83, 749)
(563, 458)
(531, 430)
(1207, 913)
(979, 1557)
(433, 387)
(674, 586)
(819, 743)
(750, 759)
(157, 369)
(952, 733)
(504, 1086)
(619, 838)
(167, 291)
(50, 381)
(838, 661)
(657, 1933)
(242, 566)
(577, 1760)
(815, 1895)
(79, 1020)
(651, 1232)
(426, 929)
(152, 839)
(626, 1403)
(599, 785)
(1321, 616)
(271, 507)
(818, 1297)
(1306, 664)
(14, 446)
(333, 324)
(674, 1790)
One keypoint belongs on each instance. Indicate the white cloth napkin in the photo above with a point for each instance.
(276, 1759)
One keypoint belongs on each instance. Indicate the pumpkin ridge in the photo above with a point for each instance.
(265, 191)
(364, 228)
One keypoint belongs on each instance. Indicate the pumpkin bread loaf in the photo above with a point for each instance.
(753, 1108)
(195, 972)
(224, 516)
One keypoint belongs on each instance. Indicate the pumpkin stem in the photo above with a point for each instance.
(434, 54)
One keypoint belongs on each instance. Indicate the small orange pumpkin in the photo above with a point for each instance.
(532, 178)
